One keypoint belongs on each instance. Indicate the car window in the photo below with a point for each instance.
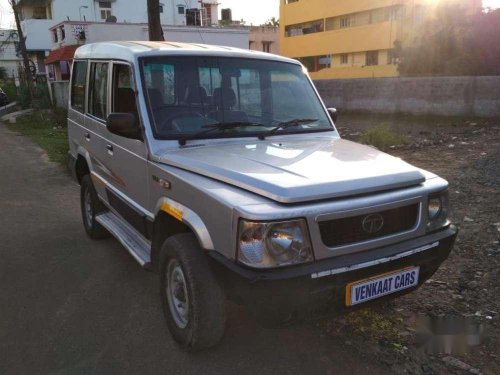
(248, 90)
(188, 95)
(290, 98)
(210, 78)
(160, 81)
(78, 85)
(123, 90)
(98, 94)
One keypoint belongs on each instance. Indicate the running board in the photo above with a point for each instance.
(138, 247)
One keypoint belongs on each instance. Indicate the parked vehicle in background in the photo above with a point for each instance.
(4, 100)
(222, 170)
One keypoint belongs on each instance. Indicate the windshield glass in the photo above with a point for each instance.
(188, 95)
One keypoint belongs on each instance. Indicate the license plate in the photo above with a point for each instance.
(381, 285)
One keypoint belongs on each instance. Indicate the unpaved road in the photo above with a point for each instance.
(467, 154)
(71, 305)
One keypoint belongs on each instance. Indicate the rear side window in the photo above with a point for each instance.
(98, 94)
(78, 85)
(160, 81)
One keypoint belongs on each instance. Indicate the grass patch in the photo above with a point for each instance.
(383, 137)
(48, 129)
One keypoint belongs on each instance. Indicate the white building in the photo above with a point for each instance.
(69, 35)
(38, 16)
(9, 59)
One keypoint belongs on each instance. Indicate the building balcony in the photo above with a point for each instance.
(69, 33)
(310, 10)
(350, 72)
(379, 36)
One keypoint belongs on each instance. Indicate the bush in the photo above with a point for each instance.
(41, 98)
(23, 99)
(383, 137)
(10, 90)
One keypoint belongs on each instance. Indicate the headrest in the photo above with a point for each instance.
(224, 98)
(195, 95)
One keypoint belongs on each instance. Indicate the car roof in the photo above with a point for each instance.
(131, 50)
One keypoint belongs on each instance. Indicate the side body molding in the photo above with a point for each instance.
(188, 217)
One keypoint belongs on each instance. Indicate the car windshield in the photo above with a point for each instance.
(229, 97)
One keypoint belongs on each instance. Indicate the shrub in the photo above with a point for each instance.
(41, 99)
(10, 90)
(383, 137)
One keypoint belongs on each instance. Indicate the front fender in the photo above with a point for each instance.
(188, 217)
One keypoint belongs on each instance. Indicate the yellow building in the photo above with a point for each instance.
(354, 38)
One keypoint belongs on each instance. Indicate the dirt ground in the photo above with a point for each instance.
(84, 322)
(467, 154)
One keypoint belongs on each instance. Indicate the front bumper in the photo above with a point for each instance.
(322, 284)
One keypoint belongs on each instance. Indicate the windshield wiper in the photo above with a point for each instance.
(218, 126)
(287, 124)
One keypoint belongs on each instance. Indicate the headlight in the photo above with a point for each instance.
(274, 244)
(438, 210)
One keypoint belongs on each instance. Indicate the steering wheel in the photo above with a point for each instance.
(170, 123)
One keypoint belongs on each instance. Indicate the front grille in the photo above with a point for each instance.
(354, 229)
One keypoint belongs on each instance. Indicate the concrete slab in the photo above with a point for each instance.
(12, 117)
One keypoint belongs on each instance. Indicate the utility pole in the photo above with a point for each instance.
(154, 20)
(24, 53)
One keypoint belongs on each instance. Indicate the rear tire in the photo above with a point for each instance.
(192, 300)
(91, 206)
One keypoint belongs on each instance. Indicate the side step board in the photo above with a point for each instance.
(138, 247)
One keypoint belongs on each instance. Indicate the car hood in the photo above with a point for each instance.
(295, 171)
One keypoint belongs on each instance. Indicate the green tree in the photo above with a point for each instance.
(454, 43)
(3, 73)
(273, 22)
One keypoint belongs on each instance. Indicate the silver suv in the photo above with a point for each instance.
(221, 169)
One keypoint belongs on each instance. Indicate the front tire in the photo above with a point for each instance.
(192, 300)
(91, 206)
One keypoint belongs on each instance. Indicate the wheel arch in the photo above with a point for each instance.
(172, 218)
(82, 165)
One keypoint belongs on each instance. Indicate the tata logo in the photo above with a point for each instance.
(373, 223)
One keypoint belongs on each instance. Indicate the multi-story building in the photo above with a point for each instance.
(9, 52)
(38, 16)
(354, 38)
(264, 38)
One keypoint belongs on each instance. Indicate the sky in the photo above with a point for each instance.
(252, 11)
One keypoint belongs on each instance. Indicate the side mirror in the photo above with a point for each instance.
(334, 115)
(124, 125)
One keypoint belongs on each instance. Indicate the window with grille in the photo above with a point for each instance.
(371, 58)
(105, 9)
(345, 22)
(39, 13)
(266, 47)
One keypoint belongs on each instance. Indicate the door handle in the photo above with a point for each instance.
(110, 149)
(87, 136)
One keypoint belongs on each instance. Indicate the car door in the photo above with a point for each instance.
(126, 158)
(95, 123)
